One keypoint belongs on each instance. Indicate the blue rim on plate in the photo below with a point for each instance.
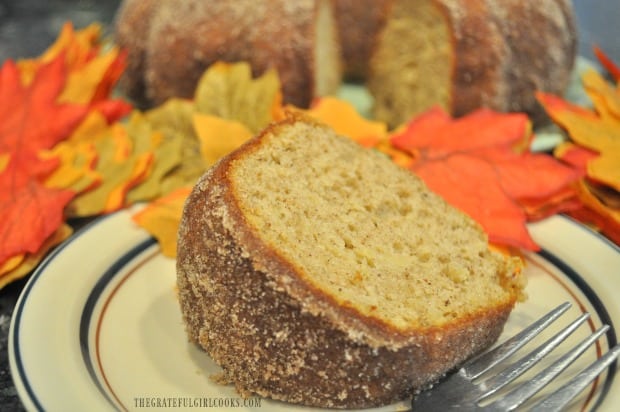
(103, 282)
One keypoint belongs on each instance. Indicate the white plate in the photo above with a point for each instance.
(98, 327)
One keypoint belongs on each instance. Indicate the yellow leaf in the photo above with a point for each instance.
(94, 127)
(161, 219)
(218, 136)
(75, 172)
(605, 97)
(594, 130)
(228, 91)
(175, 120)
(83, 82)
(76, 45)
(167, 152)
(117, 198)
(11, 263)
(4, 160)
(120, 167)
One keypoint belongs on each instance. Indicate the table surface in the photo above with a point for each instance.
(28, 27)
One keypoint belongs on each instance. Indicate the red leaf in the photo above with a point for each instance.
(420, 131)
(478, 164)
(576, 156)
(436, 134)
(31, 118)
(112, 110)
(30, 212)
(529, 175)
(607, 63)
(472, 185)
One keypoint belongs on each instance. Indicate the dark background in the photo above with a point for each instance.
(28, 27)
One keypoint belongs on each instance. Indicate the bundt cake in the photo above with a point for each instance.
(464, 55)
(318, 272)
(412, 54)
(170, 43)
(357, 23)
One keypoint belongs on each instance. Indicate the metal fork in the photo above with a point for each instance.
(467, 390)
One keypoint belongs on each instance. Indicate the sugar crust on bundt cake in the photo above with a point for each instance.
(411, 54)
(315, 271)
(464, 55)
(171, 43)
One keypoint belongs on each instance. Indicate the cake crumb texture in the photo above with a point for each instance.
(318, 272)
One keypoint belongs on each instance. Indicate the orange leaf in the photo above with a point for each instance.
(161, 219)
(32, 121)
(595, 212)
(345, 120)
(91, 74)
(218, 136)
(597, 131)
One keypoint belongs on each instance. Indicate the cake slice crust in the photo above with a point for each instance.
(303, 254)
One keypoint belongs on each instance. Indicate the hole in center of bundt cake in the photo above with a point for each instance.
(413, 62)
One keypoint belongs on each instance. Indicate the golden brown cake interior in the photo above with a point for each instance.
(366, 233)
(412, 65)
(316, 271)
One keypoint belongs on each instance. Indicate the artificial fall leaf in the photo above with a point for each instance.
(19, 266)
(434, 133)
(227, 90)
(42, 102)
(11, 264)
(218, 136)
(576, 156)
(167, 152)
(607, 63)
(121, 169)
(597, 130)
(594, 147)
(161, 219)
(345, 120)
(76, 46)
(91, 74)
(174, 119)
(484, 200)
(604, 216)
(31, 117)
(95, 79)
(75, 172)
(32, 121)
(30, 212)
(478, 163)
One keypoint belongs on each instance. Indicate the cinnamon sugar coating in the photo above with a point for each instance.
(289, 319)
(176, 41)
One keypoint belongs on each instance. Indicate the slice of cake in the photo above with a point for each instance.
(464, 55)
(318, 272)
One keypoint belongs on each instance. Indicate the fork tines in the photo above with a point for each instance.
(474, 388)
